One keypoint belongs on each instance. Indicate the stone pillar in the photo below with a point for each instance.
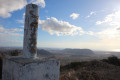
(30, 31)
(27, 68)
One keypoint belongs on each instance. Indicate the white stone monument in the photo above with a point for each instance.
(29, 67)
(30, 31)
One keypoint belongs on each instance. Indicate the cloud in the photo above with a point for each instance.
(10, 37)
(74, 15)
(99, 22)
(22, 26)
(2, 29)
(8, 6)
(118, 28)
(20, 21)
(111, 19)
(91, 13)
(109, 33)
(23, 15)
(39, 2)
(60, 28)
(108, 39)
(90, 33)
(112, 32)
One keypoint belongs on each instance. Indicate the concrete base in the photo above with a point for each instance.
(30, 69)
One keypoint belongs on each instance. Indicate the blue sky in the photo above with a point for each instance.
(92, 24)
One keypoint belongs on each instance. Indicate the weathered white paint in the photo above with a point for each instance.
(27, 68)
(30, 69)
(30, 31)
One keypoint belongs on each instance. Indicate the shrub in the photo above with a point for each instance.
(15, 53)
(75, 64)
(112, 60)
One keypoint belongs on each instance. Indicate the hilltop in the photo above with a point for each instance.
(91, 70)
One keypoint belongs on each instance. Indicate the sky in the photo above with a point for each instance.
(93, 24)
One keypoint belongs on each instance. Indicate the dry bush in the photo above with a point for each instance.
(15, 53)
(92, 70)
(112, 60)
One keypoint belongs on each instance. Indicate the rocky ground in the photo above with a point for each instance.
(92, 70)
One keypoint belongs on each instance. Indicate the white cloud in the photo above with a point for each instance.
(2, 29)
(10, 34)
(112, 32)
(41, 21)
(98, 22)
(109, 33)
(118, 28)
(109, 39)
(20, 21)
(10, 37)
(23, 15)
(111, 19)
(54, 26)
(22, 26)
(91, 13)
(74, 15)
(90, 33)
(8, 6)
(39, 2)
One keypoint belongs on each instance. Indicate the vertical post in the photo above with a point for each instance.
(30, 31)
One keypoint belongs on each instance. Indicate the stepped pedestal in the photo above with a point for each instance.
(30, 69)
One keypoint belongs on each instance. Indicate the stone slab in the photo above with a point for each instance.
(30, 69)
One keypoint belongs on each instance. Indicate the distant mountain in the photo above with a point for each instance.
(79, 51)
(43, 52)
